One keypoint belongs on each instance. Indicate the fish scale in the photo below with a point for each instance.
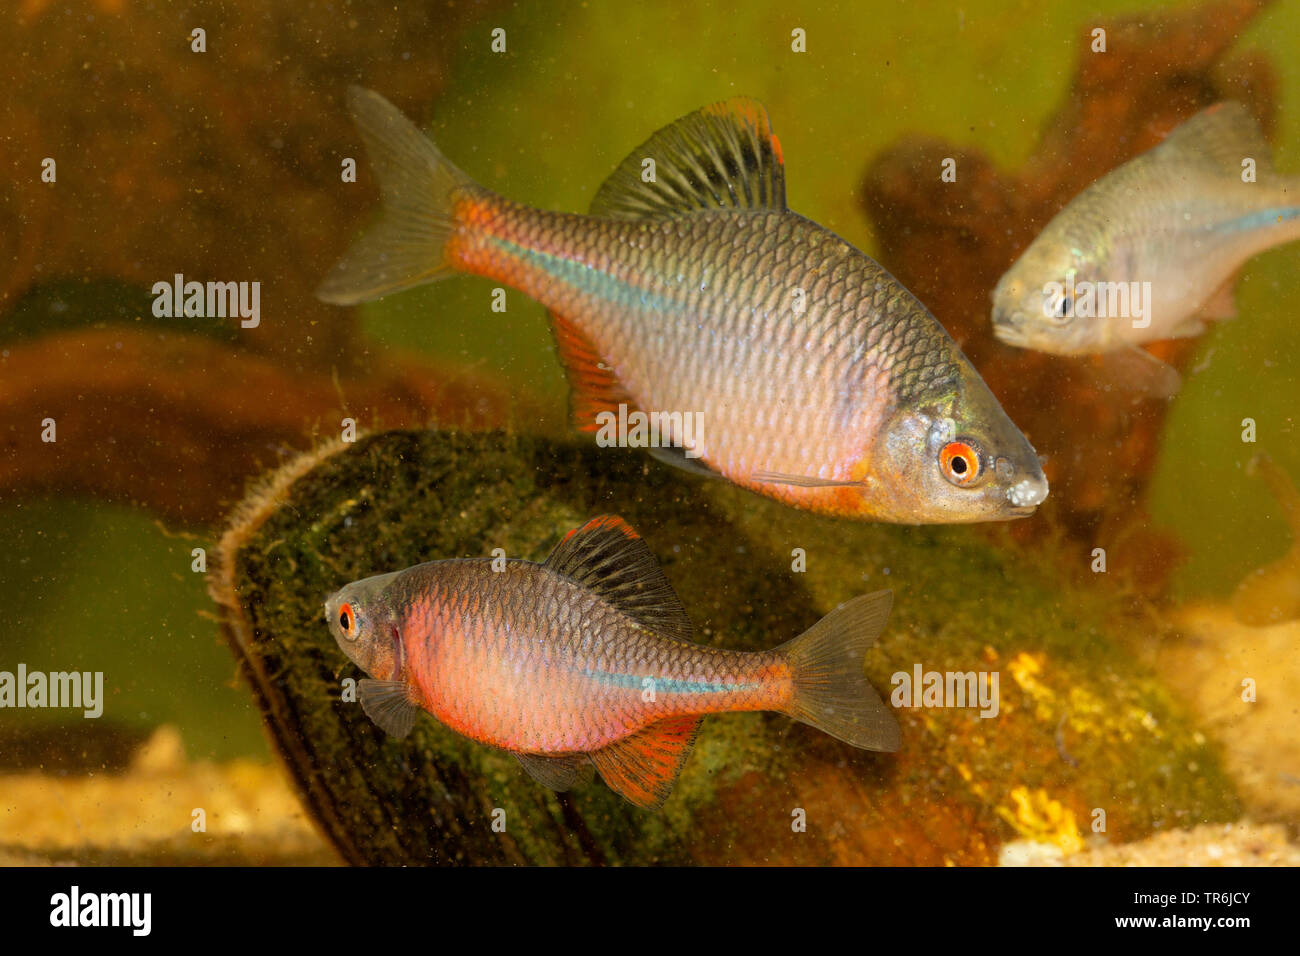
(532, 637)
(836, 319)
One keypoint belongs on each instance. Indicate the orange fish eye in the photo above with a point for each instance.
(960, 463)
(346, 619)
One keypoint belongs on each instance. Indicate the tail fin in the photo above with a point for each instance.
(418, 185)
(831, 692)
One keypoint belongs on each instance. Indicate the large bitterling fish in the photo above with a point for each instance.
(586, 659)
(1180, 217)
(813, 375)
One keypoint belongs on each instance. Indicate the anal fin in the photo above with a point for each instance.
(593, 384)
(643, 766)
(560, 773)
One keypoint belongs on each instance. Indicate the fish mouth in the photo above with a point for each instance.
(1011, 332)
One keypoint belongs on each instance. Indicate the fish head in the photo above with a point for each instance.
(364, 624)
(958, 459)
(1034, 302)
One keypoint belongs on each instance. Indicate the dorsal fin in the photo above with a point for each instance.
(723, 156)
(1218, 139)
(608, 557)
(593, 386)
(644, 766)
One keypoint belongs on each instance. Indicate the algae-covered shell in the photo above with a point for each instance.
(1081, 726)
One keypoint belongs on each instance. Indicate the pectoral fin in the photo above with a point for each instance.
(675, 457)
(800, 481)
(388, 703)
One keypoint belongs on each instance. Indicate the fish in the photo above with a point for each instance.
(585, 662)
(1271, 594)
(811, 374)
(1151, 251)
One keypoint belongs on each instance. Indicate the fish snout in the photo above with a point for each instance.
(1028, 492)
(1009, 326)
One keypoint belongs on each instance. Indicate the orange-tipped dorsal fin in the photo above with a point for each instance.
(721, 157)
(594, 386)
(644, 766)
(606, 556)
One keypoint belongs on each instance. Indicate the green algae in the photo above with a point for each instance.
(1081, 725)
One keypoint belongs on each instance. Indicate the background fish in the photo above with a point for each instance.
(820, 380)
(586, 659)
(1178, 216)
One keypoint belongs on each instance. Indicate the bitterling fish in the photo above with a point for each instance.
(586, 659)
(1151, 250)
(811, 375)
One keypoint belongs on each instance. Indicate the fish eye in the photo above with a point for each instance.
(960, 462)
(1061, 311)
(347, 621)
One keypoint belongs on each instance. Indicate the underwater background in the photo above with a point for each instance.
(224, 165)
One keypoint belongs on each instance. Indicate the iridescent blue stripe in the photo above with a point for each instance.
(1261, 219)
(584, 277)
(667, 685)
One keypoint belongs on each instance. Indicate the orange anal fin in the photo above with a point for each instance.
(644, 766)
(595, 388)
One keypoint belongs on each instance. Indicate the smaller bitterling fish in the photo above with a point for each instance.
(586, 660)
(1151, 250)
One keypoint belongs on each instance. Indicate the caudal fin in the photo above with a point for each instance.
(418, 187)
(831, 692)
